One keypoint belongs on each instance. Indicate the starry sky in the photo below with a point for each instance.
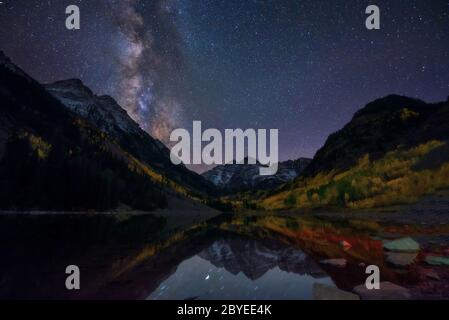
(303, 67)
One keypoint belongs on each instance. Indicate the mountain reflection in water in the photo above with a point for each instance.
(233, 267)
(259, 257)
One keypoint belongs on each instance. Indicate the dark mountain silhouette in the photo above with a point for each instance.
(105, 113)
(394, 151)
(63, 148)
(381, 126)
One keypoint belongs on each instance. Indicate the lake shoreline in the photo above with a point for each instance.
(430, 210)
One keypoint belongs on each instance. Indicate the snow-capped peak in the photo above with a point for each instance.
(104, 111)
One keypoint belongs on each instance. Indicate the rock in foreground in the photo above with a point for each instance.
(335, 262)
(345, 245)
(326, 292)
(402, 245)
(401, 259)
(387, 291)
(437, 261)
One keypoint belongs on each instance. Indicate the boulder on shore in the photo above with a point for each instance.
(401, 259)
(345, 245)
(341, 263)
(437, 261)
(432, 275)
(387, 291)
(402, 245)
(326, 292)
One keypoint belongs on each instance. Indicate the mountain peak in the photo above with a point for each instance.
(382, 125)
(6, 62)
(116, 143)
(107, 98)
(390, 103)
(244, 176)
(70, 85)
(3, 55)
(103, 111)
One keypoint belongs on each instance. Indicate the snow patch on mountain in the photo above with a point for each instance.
(238, 177)
(104, 111)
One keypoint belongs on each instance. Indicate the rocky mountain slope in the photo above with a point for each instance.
(105, 113)
(64, 148)
(245, 177)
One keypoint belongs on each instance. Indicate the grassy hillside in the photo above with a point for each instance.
(394, 151)
(401, 176)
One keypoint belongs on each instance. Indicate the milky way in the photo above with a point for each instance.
(149, 64)
(129, 49)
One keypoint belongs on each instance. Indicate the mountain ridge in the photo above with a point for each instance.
(381, 126)
(392, 143)
(393, 151)
(63, 151)
(110, 117)
(246, 177)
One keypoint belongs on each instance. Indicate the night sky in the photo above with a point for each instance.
(303, 67)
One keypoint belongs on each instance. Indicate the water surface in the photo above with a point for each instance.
(259, 257)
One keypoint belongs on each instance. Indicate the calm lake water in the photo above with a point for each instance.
(239, 268)
(134, 257)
